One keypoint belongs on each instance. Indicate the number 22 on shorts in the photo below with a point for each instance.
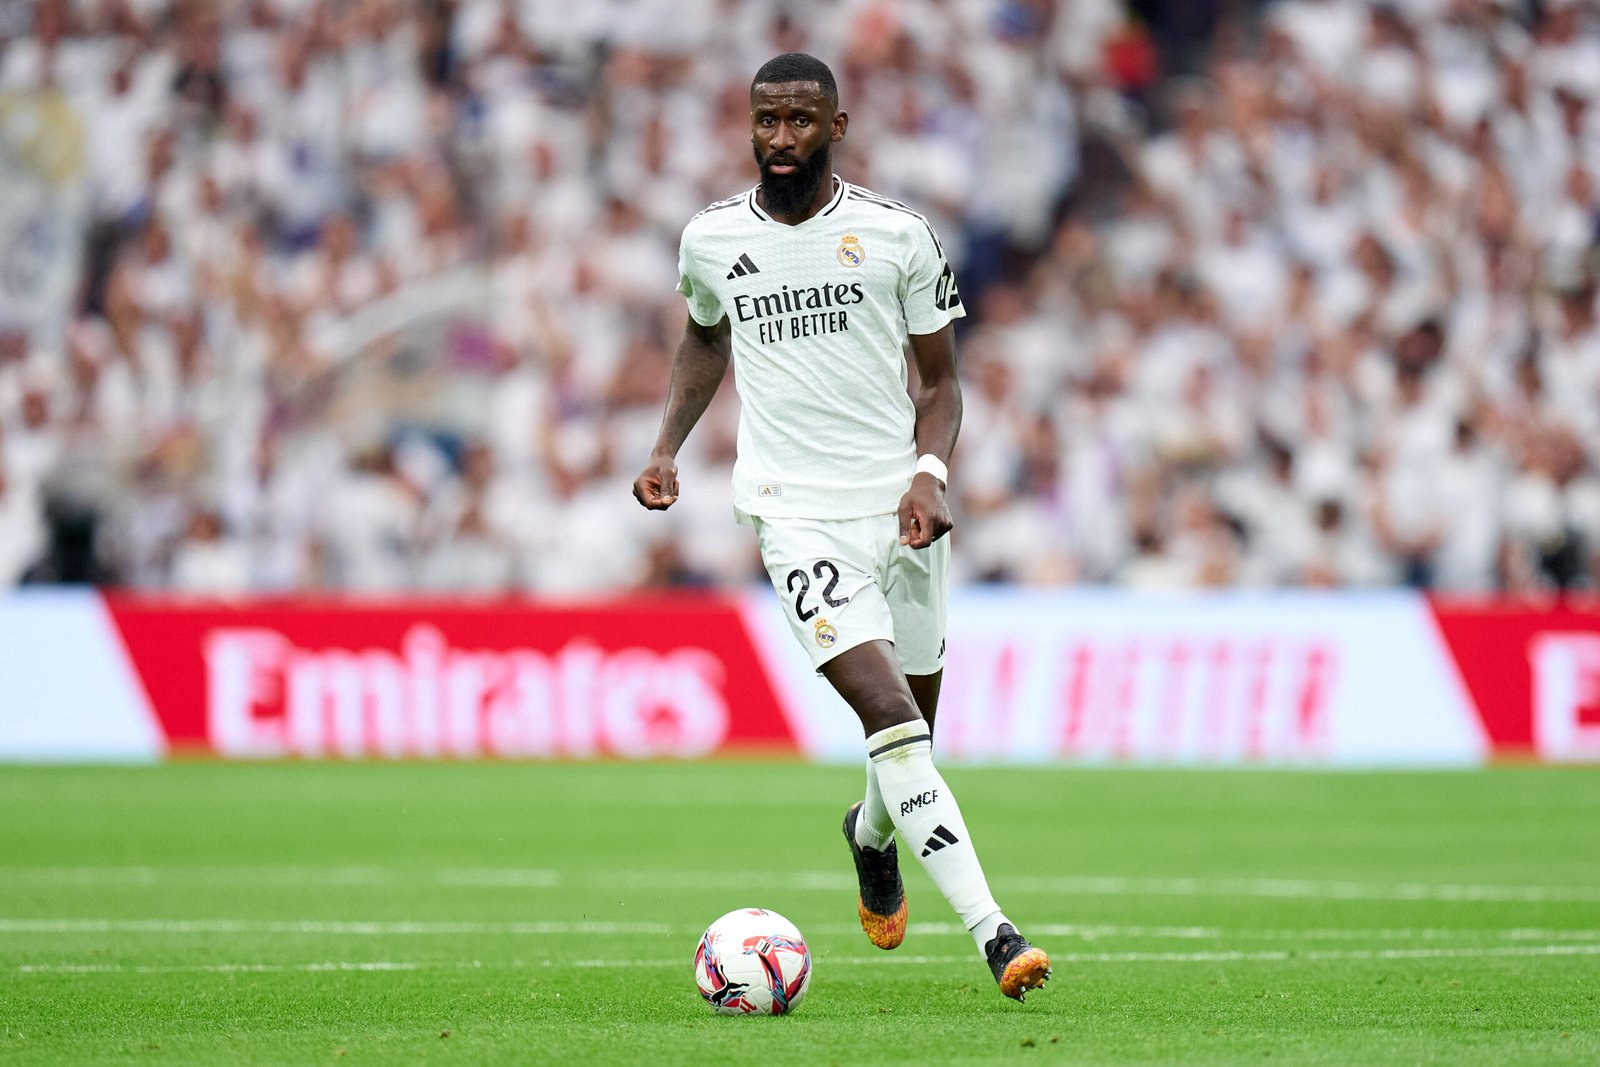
(798, 575)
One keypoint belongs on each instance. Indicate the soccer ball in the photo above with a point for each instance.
(752, 962)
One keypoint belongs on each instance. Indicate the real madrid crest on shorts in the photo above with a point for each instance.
(826, 634)
(850, 253)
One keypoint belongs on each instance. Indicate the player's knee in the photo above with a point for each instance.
(883, 710)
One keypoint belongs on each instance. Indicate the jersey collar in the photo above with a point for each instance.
(839, 187)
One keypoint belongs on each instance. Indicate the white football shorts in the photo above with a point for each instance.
(848, 581)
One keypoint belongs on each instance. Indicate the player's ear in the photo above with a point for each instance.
(841, 120)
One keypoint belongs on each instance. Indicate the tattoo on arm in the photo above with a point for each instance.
(697, 370)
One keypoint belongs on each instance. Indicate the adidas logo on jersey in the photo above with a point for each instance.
(743, 266)
(941, 837)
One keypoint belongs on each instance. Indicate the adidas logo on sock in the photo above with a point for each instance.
(744, 265)
(941, 837)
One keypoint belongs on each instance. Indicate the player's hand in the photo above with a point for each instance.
(924, 515)
(657, 485)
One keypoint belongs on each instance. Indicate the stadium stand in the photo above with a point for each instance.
(377, 296)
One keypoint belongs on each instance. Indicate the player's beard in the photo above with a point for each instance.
(789, 194)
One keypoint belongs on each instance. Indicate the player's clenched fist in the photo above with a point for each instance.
(657, 485)
(924, 515)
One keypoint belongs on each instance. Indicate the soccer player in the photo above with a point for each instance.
(816, 285)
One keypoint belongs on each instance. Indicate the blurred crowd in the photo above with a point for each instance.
(1311, 305)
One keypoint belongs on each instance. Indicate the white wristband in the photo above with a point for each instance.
(928, 463)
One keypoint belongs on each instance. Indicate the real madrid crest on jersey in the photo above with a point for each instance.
(850, 253)
(826, 634)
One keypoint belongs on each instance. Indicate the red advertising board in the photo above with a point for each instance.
(639, 679)
(1533, 673)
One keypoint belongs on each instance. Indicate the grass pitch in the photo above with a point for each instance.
(308, 913)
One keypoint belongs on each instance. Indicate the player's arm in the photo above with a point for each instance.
(924, 515)
(697, 371)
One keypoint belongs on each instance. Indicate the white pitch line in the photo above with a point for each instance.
(220, 968)
(500, 877)
(1060, 959)
(793, 881)
(1095, 932)
(815, 881)
(247, 876)
(1118, 885)
(426, 927)
(1303, 888)
(320, 926)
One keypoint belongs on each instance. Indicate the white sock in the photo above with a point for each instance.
(987, 927)
(930, 824)
(874, 828)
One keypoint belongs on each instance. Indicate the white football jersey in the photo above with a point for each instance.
(820, 313)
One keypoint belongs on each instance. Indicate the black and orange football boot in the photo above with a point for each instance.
(1017, 965)
(881, 903)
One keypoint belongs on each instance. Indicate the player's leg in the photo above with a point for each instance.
(916, 585)
(899, 746)
(873, 827)
(818, 570)
(925, 691)
(826, 573)
(881, 903)
(925, 813)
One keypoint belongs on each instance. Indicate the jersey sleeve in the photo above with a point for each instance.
(704, 307)
(931, 300)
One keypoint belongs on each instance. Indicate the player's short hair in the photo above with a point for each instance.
(798, 67)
